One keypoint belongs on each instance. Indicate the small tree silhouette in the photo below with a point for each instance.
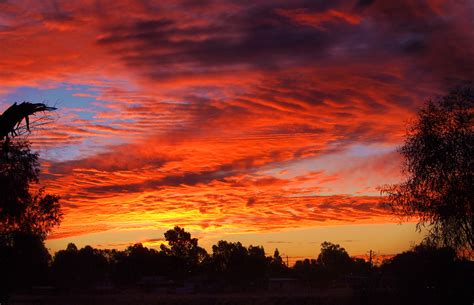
(333, 260)
(184, 249)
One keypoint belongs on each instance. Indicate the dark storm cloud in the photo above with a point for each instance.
(364, 3)
(255, 35)
(436, 35)
(318, 34)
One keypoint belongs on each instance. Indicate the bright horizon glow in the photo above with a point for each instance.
(295, 244)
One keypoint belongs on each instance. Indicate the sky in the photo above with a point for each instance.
(267, 122)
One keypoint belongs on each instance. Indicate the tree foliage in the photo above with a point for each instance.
(27, 215)
(78, 268)
(438, 153)
(23, 209)
(184, 249)
(277, 266)
(334, 259)
(428, 274)
(233, 263)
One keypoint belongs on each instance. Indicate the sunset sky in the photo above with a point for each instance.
(269, 122)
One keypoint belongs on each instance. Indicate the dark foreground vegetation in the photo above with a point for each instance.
(182, 272)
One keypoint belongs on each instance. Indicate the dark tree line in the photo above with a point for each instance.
(231, 264)
(181, 259)
(425, 274)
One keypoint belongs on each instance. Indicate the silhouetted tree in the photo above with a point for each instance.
(184, 249)
(334, 260)
(277, 260)
(360, 266)
(73, 268)
(228, 260)
(24, 262)
(137, 261)
(438, 153)
(428, 274)
(307, 271)
(26, 217)
(238, 266)
(257, 266)
(20, 209)
(277, 266)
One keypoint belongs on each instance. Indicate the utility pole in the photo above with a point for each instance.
(370, 258)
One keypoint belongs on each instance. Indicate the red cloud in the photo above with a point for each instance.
(319, 19)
